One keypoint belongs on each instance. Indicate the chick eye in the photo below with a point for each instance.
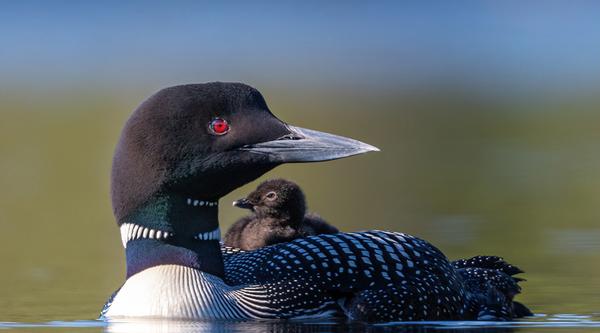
(271, 196)
(218, 126)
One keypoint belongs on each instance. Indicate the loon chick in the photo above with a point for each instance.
(279, 207)
(187, 146)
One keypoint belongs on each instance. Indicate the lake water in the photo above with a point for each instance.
(518, 180)
(554, 323)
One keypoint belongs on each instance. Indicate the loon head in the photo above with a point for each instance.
(184, 148)
(278, 199)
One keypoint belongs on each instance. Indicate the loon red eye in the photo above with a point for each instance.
(218, 126)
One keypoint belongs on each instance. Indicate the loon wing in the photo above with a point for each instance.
(394, 275)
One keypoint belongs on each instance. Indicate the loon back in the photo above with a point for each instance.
(372, 276)
(485, 291)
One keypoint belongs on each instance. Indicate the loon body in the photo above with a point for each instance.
(279, 216)
(187, 146)
(370, 276)
(346, 274)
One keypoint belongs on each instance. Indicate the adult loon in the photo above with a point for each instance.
(279, 208)
(187, 146)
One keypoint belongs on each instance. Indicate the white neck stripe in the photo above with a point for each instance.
(210, 235)
(200, 203)
(131, 231)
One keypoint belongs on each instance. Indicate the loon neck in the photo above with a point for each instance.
(191, 227)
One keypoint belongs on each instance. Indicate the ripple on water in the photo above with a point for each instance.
(567, 322)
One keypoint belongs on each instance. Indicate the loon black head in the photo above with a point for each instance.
(276, 198)
(187, 146)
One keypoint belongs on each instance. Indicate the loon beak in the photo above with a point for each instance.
(243, 203)
(306, 145)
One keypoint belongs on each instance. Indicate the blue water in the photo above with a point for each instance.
(541, 322)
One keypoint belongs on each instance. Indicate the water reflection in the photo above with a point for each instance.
(555, 323)
(158, 326)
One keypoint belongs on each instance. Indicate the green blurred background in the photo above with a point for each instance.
(487, 114)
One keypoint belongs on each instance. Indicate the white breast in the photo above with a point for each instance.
(171, 291)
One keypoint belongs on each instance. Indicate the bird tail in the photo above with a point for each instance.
(488, 262)
(492, 285)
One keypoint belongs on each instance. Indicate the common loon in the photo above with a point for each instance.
(279, 208)
(187, 146)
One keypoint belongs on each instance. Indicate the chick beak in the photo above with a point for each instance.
(243, 203)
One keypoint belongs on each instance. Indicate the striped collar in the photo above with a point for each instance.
(201, 203)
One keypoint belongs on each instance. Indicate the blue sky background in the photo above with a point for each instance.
(499, 46)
